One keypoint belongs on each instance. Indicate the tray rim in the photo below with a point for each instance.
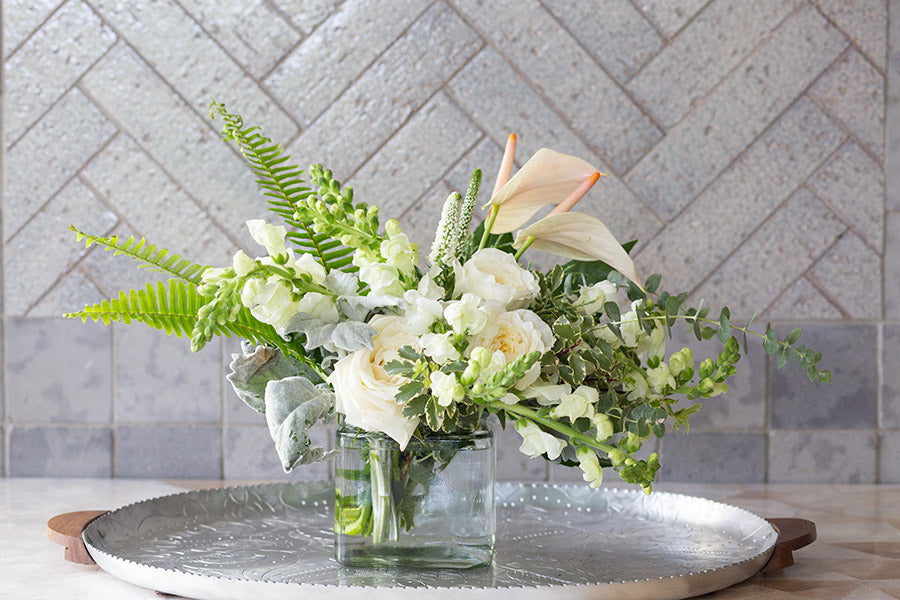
(747, 567)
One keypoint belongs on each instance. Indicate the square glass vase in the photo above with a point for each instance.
(430, 505)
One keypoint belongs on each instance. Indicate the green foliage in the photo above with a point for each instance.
(318, 218)
(150, 257)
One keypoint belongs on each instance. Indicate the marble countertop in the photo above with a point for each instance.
(856, 556)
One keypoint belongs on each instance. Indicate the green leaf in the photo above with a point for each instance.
(724, 331)
(793, 335)
(612, 311)
(653, 282)
(771, 344)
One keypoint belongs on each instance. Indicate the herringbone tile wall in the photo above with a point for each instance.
(745, 142)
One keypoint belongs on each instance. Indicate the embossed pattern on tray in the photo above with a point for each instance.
(546, 536)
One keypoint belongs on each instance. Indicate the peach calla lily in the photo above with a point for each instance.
(549, 177)
(581, 237)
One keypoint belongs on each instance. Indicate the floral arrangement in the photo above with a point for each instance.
(339, 316)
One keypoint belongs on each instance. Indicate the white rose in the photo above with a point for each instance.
(536, 442)
(269, 236)
(578, 404)
(439, 347)
(383, 279)
(242, 264)
(271, 301)
(590, 466)
(493, 274)
(518, 333)
(469, 315)
(591, 299)
(446, 388)
(319, 306)
(364, 393)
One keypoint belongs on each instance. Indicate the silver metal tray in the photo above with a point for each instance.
(275, 542)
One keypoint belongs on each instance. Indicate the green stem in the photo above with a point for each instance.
(303, 286)
(488, 224)
(528, 241)
(574, 434)
(384, 516)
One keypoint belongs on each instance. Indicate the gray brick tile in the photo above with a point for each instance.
(714, 457)
(57, 371)
(73, 292)
(613, 30)
(33, 173)
(60, 452)
(744, 405)
(747, 101)
(154, 204)
(708, 48)
(416, 157)
(849, 352)
(694, 243)
(159, 379)
(49, 63)
(253, 33)
(864, 21)
(778, 253)
(307, 14)
(29, 273)
(671, 16)
(188, 150)
(892, 267)
(802, 301)
(326, 63)
(250, 454)
(550, 58)
(892, 128)
(822, 456)
(851, 274)
(889, 450)
(29, 14)
(853, 91)
(501, 103)
(169, 451)
(853, 186)
(486, 155)
(399, 82)
(890, 385)
(512, 465)
(192, 63)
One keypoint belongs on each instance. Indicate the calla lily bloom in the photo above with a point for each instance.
(549, 177)
(580, 237)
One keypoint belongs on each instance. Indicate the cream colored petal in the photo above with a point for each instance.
(582, 237)
(548, 177)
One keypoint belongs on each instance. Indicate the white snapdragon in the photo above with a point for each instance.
(592, 298)
(660, 377)
(547, 394)
(636, 386)
(398, 251)
(439, 347)
(603, 426)
(309, 265)
(271, 301)
(242, 264)
(446, 388)
(654, 344)
(590, 466)
(423, 305)
(495, 275)
(536, 442)
(469, 315)
(681, 361)
(578, 404)
(383, 279)
(319, 306)
(268, 235)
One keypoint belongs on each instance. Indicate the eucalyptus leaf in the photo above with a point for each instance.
(293, 405)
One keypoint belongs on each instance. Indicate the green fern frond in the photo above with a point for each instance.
(171, 307)
(282, 184)
(151, 257)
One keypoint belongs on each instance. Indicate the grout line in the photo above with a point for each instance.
(879, 399)
(75, 84)
(850, 38)
(5, 430)
(769, 217)
(652, 22)
(33, 32)
(415, 111)
(603, 69)
(814, 281)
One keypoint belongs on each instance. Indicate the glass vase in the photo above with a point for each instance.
(430, 505)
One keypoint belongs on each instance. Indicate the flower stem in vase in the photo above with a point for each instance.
(384, 514)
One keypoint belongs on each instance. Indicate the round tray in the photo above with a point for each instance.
(553, 541)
